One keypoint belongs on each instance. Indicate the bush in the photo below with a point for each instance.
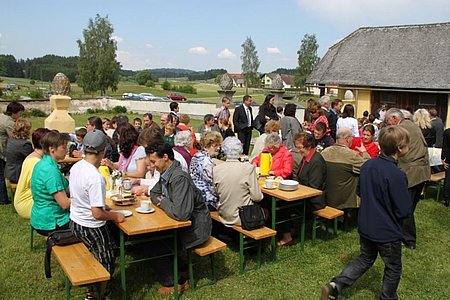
(92, 111)
(188, 89)
(34, 112)
(32, 82)
(119, 109)
(36, 94)
(150, 83)
(166, 85)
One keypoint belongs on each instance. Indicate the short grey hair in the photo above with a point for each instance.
(232, 147)
(343, 133)
(324, 99)
(407, 114)
(393, 112)
(272, 139)
(183, 139)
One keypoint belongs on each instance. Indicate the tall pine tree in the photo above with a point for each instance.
(307, 59)
(97, 66)
(250, 63)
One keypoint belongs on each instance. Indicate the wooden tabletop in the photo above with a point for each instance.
(70, 160)
(145, 223)
(302, 192)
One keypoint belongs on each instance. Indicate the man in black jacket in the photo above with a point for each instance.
(243, 123)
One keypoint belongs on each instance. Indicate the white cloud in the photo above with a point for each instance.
(132, 61)
(198, 50)
(274, 50)
(118, 39)
(148, 45)
(225, 53)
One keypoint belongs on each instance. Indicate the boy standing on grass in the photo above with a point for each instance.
(88, 212)
(385, 201)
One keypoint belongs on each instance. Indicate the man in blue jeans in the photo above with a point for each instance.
(385, 201)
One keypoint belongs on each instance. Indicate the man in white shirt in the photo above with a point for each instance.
(88, 212)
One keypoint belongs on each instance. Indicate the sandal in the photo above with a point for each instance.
(282, 243)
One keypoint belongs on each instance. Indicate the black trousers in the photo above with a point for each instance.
(391, 254)
(245, 136)
(409, 223)
(3, 192)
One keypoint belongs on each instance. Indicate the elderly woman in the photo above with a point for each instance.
(310, 171)
(201, 168)
(348, 120)
(290, 126)
(422, 119)
(50, 210)
(367, 140)
(281, 157)
(183, 144)
(271, 126)
(17, 149)
(23, 199)
(132, 156)
(235, 182)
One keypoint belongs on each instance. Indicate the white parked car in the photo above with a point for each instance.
(148, 96)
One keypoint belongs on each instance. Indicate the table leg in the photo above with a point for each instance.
(122, 265)
(302, 230)
(274, 238)
(175, 265)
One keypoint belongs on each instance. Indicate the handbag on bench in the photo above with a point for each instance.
(60, 238)
(252, 217)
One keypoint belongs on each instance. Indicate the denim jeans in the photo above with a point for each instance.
(3, 192)
(391, 254)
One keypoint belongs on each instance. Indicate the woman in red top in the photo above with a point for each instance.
(367, 140)
(281, 157)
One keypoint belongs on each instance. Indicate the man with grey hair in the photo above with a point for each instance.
(235, 183)
(343, 166)
(416, 165)
(324, 102)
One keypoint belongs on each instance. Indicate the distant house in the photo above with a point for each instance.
(404, 66)
(267, 78)
(238, 80)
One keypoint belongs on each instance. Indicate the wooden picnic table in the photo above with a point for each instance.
(302, 193)
(139, 224)
(70, 160)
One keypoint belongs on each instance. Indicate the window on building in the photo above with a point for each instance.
(428, 99)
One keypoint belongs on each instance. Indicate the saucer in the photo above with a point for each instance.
(269, 188)
(140, 210)
(124, 212)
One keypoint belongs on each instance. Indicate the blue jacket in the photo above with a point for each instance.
(385, 200)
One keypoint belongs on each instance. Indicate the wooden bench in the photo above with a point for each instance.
(437, 179)
(257, 234)
(209, 248)
(79, 265)
(328, 213)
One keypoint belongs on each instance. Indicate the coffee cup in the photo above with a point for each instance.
(269, 183)
(145, 205)
(127, 185)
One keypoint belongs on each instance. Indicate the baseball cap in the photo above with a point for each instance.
(94, 142)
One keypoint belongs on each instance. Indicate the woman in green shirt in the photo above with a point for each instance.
(50, 210)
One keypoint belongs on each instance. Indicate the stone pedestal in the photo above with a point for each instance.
(226, 93)
(60, 119)
(278, 97)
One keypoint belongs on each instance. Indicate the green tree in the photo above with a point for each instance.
(307, 59)
(166, 85)
(98, 68)
(250, 63)
(143, 76)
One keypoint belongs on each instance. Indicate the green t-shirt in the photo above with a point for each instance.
(46, 181)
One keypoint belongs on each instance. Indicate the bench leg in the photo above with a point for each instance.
(241, 253)
(122, 265)
(438, 191)
(67, 287)
(335, 226)
(191, 271)
(314, 229)
(213, 268)
(259, 254)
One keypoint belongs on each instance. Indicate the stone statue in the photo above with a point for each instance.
(226, 82)
(277, 82)
(61, 85)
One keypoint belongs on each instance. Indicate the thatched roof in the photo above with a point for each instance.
(410, 57)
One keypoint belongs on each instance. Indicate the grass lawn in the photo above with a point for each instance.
(426, 271)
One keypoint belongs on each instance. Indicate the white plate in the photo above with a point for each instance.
(124, 212)
(269, 188)
(140, 210)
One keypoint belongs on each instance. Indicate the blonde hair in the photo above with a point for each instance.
(272, 126)
(22, 129)
(210, 138)
(422, 118)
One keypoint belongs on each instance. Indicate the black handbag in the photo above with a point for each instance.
(252, 216)
(60, 238)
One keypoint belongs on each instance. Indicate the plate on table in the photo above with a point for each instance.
(269, 188)
(123, 200)
(124, 212)
(141, 211)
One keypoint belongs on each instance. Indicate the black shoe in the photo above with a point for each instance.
(329, 292)
(447, 202)
(410, 246)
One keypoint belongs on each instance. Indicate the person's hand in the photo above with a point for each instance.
(272, 173)
(160, 198)
(361, 148)
(106, 162)
(107, 208)
(135, 181)
(76, 153)
(139, 190)
(446, 164)
(267, 118)
(119, 218)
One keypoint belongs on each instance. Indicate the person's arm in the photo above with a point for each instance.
(101, 214)
(399, 195)
(181, 205)
(236, 120)
(141, 169)
(62, 199)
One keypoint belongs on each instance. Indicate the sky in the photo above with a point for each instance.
(202, 34)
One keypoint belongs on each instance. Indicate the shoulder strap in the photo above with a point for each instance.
(47, 258)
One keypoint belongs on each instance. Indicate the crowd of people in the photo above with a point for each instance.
(377, 164)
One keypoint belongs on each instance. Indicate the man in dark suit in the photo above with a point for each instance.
(333, 116)
(243, 122)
